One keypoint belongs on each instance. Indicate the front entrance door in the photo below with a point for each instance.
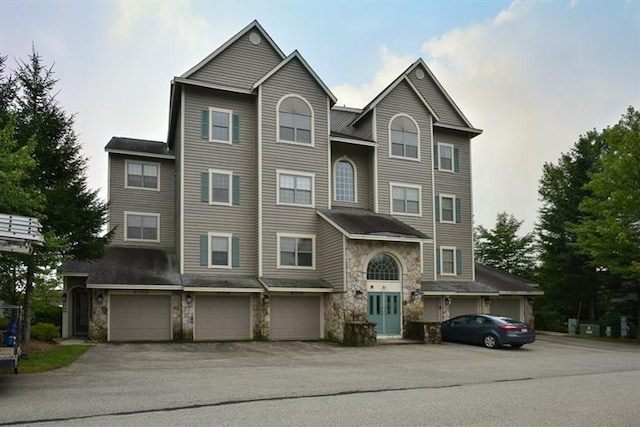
(384, 310)
(80, 311)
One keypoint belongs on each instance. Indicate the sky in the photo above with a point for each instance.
(533, 75)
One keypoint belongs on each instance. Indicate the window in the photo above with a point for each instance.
(405, 199)
(296, 251)
(219, 250)
(220, 125)
(446, 157)
(448, 209)
(448, 261)
(141, 226)
(404, 138)
(142, 175)
(383, 267)
(345, 188)
(295, 188)
(220, 187)
(295, 120)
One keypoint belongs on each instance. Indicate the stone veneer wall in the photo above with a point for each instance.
(176, 315)
(188, 312)
(529, 317)
(262, 316)
(99, 323)
(346, 307)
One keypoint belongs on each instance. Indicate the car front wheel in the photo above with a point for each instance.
(490, 341)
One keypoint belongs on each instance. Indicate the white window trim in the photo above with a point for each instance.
(448, 248)
(296, 173)
(444, 144)
(402, 184)
(284, 141)
(453, 198)
(221, 172)
(228, 236)
(392, 156)
(126, 226)
(298, 236)
(335, 180)
(139, 162)
(220, 110)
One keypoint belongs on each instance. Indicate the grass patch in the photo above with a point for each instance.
(631, 341)
(42, 358)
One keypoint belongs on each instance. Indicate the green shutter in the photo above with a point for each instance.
(458, 261)
(204, 130)
(436, 208)
(236, 129)
(204, 187)
(235, 252)
(456, 159)
(458, 211)
(204, 249)
(438, 260)
(236, 189)
(435, 156)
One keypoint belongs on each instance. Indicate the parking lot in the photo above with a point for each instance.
(555, 381)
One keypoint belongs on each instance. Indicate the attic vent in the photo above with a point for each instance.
(255, 38)
(420, 73)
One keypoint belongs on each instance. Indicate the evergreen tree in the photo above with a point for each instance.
(501, 247)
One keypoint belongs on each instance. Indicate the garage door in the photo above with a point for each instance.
(222, 318)
(140, 318)
(295, 318)
(463, 306)
(431, 311)
(509, 307)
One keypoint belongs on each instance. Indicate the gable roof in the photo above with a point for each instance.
(255, 24)
(356, 223)
(138, 146)
(313, 74)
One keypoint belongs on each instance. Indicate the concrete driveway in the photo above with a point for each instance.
(302, 383)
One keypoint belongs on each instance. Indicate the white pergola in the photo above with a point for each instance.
(19, 234)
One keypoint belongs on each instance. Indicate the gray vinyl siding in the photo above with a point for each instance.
(458, 184)
(362, 158)
(292, 79)
(239, 65)
(428, 260)
(436, 99)
(330, 256)
(200, 156)
(123, 199)
(404, 100)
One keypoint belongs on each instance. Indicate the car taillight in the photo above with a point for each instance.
(509, 327)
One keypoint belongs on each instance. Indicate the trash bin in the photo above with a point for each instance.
(590, 330)
(571, 326)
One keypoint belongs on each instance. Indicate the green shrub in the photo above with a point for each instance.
(550, 321)
(45, 332)
(4, 321)
(48, 314)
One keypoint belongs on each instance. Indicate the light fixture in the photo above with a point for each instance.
(487, 300)
(64, 298)
(189, 299)
(530, 299)
(265, 299)
(447, 300)
(359, 294)
(100, 298)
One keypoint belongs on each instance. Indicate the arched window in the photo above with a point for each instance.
(345, 181)
(403, 135)
(295, 120)
(383, 267)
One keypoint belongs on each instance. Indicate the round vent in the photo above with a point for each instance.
(420, 73)
(255, 38)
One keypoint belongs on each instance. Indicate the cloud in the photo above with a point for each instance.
(391, 65)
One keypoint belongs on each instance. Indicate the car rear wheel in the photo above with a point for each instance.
(490, 341)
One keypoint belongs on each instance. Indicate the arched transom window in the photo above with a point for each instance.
(295, 120)
(404, 137)
(383, 267)
(345, 181)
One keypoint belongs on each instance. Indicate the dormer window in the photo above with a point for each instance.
(404, 138)
(295, 120)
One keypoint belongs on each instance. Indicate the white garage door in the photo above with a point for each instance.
(140, 318)
(222, 318)
(509, 307)
(463, 306)
(295, 318)
(431, 312)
